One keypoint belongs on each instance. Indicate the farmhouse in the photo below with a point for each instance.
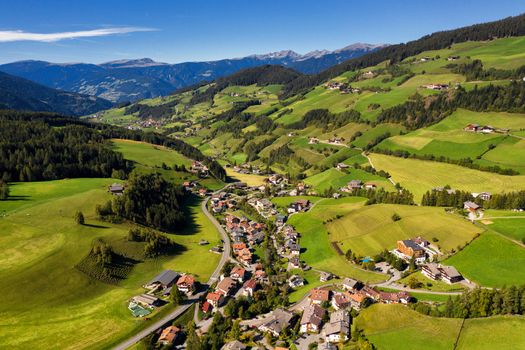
(394, 297)
(318, 296)
(146, 300)
(436, 86)
(186, 284)
(169, 335)
(312, 319)
(249, 287)
(116, 189)
(341, 301)
(325, 276)
(370, 186)
(351, 284)
(472, 127)
(408, 249)
(339, 327)
(238, 273)
(226, 286)
(215, 299)
(277, 322)
(313, 140)
(295, 263)
(163, 280)
(437, 271)
(471, 206)
(355, 184)
(295, 281)
(341, 166)
(450, 275)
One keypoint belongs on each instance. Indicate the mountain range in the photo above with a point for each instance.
(135, 79)
(22, 94)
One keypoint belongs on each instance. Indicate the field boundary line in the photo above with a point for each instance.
(459, 334)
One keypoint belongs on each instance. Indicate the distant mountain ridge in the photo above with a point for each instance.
(21, 94)
(135, 79)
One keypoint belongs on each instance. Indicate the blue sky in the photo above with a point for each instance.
(177, 31)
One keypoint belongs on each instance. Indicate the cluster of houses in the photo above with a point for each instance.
(239, 282)
(313, 140)
(343, 88)
(298, 206)
(220, 202)
(291, 247)
(438, 87)
(158, 289)
(353, 185)
(199, 169)
(241, 229)
(263, 206)
(353, 295)
(247, 169)
(418, 249)
(483, 129)
(336, 140)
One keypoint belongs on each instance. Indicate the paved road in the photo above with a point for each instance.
(181, 309)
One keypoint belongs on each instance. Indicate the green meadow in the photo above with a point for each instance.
(419, 176)
(316, 241)
(491, 261)
(370, 229)
(335, 179)
(395, 327)
(42, 244)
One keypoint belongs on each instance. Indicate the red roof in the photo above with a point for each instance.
(186, 280)
(213, 296)
(169, 334)
(251, 283)
(320, 294)
(237, 270)
(206, 307)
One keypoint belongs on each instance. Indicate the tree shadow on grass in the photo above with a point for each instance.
(190, 225)
(17, 198)
(96, 226)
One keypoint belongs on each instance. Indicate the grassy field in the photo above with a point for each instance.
(369, 230)
(315, 240)
(511, 227)
(42, 244)
(338, 178)
(447, 138)
(419, 176)
(491, 260)
(148, 154)
(250, 179)
(396, 327)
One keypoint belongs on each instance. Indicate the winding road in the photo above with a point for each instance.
(182, 308)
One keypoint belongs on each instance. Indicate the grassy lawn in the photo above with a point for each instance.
(42, 244)
(513, 227)
(395, 327)
(148, 154)
(447, 138)
(370, 229)
(315, 240)
(284, 202)
(499, 332)
(491, 261)
(419, 176)
(338, 178)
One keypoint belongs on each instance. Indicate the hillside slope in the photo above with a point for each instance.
(21, 94)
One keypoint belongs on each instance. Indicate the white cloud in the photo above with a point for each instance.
(19, 35)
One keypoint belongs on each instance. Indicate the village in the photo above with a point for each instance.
(256, 226)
